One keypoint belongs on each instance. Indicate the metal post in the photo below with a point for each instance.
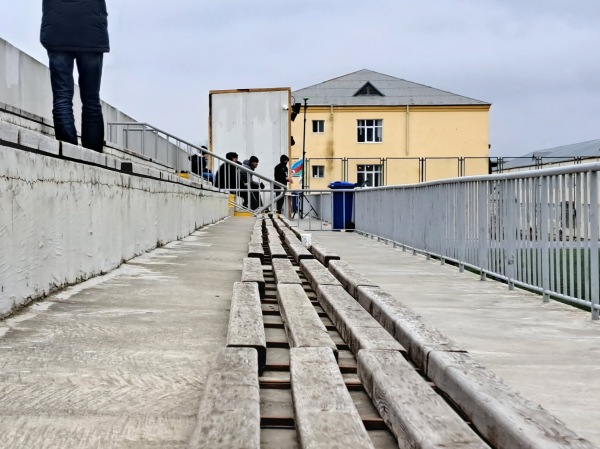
(594, 247)
(482, 227)
(303, 159)
(543, 239)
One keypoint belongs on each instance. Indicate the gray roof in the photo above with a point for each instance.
(397, 92)
(591, 148)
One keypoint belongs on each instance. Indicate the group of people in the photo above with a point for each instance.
(230, 177)
(76, 33)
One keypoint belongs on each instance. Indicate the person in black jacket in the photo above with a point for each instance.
(76, 31)
(281, 175)
(246, 182)
(227, 176)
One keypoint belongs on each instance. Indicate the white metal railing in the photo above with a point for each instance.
(176, 153)
(538, 229)
(153, 143)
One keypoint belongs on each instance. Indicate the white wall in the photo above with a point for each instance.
(62, 222)
(251, 123)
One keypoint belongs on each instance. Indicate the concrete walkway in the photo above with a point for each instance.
(120, 361)
(550, 353)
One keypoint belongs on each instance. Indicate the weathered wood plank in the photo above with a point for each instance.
(252, 271)
(229, 412)
(317, 274)
(356, 326)
(256, 239)
(502, 416)
(303, 326)
(256, 250)
(276, 249)
(299, 252)
(246, 327)
(322, 254)
(409, 329)
(285, 272)
(290, 238)
(350, 278)
(415, 413)
(325, 414)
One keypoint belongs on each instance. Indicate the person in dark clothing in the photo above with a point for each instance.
(227, 176)
(281, 175)
(247, 182)
(200, 165)
(76, 32)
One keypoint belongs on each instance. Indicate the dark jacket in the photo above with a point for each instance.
(281, 173)
(75, 25)
(227, 177)
(244, 177)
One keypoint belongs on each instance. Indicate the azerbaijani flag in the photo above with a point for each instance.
(297, 168)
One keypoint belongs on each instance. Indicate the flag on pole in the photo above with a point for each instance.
(297, 168)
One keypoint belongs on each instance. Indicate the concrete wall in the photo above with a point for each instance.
(25, 84)
(62, 221)
(26, 100)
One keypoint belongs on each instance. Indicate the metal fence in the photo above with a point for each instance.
(538, 230)
(153, 143)
(378, 171)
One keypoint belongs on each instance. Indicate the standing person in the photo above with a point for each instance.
(227, 176)
(248, 183)
(281, 175)
(76, 31)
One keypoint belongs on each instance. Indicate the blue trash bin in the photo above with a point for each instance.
(342, 205)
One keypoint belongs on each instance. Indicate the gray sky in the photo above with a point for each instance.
(536, 61)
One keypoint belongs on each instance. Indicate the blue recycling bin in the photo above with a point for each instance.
(342, 205)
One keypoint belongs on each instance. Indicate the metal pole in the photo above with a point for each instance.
(303, 159)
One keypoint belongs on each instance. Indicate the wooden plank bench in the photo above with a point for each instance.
(256, 239)
(299, 252)
(256, 250)
(290, 238)
(502, 416)
(246, 327)
(325, 414)
(303, 326)
(276, 249)
(417, 416)
(252, 271)
(322, 254)
(229, 412)
(409, 329)
(317, 274)
(285, 272)
(356, 326)
(350, 278)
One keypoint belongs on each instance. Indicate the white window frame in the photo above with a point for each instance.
(319, 125)
(374, 174)
(371, 130)
(319, 172)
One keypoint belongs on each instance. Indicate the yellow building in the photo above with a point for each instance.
(375, 129)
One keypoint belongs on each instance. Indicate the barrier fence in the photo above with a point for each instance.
(538, 229)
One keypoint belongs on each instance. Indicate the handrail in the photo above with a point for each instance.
(191, 149)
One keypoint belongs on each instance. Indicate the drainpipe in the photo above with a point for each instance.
(407, 128)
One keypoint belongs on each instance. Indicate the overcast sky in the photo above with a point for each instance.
(536, 61)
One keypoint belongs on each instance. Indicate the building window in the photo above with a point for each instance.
(318, 171)
(318, 126)
(369, 131)
(369, 175)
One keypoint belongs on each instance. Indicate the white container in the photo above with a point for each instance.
(306, 240)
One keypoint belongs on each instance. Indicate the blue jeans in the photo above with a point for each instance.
(89, 66)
